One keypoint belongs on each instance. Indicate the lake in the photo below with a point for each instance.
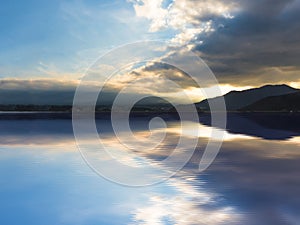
(254, 180)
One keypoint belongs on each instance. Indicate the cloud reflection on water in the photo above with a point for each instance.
(253, 180)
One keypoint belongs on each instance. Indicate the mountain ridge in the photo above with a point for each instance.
(284, 103)
(236, 100)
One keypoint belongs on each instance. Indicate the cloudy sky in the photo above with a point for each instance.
(49, 45)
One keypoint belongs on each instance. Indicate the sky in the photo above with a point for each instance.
(49, 45)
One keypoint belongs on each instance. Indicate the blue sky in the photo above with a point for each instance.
(63, 36)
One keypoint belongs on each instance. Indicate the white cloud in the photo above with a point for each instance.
(189, 17)
(152, 10)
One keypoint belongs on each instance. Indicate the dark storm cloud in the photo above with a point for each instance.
(56, 92)
(264, 35)
(43, 92)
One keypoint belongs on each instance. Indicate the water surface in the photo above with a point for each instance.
(254, 179)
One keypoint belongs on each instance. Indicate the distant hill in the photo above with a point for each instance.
(236, 100)
(286, 103)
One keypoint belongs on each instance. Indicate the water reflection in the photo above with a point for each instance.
(271, 126)
(254, 180)
(186, 204)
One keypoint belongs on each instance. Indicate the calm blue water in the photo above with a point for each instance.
(254, 180)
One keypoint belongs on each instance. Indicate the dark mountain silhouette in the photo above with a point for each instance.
(236, 100)
(285, 103)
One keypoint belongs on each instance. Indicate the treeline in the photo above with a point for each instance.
(31, 108)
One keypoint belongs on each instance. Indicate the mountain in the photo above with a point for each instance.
(236, 100)
(286, 103)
